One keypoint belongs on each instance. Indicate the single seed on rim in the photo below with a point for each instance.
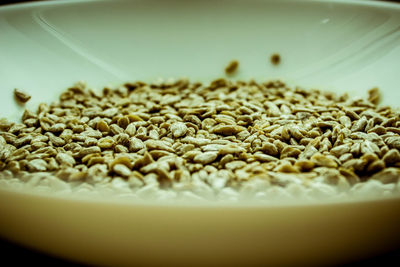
(232, 67)
(275, 59)
(21, 96)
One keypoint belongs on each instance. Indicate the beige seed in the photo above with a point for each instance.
(190, 155)
(340, 150)
(131, 129)
(304, 165)
(275, 59)
(21, 96)
(323, 161)
(357, 165)
(141, 133)
(225, 120)
(135, 144)
(56, 141)
(106, 143)
(90, 141)
(102, 126)
(37, 145)
(159, 145)
(232, 67)
(95, 160)
(289, 151)
(143, 161)
(57, 128)
(89, 150)
(156, 154)
(359, 125)
(163, 175)
(13, 166)
(287, 168)
(369, 157)
(230, 149)
(237, 164)
(369, 147)
(393, 142)
(285, 133)
(227, 129)
(264, 157)
(122, 160)
(352, 114)
(393, 129)
(391, 157)
(351, 177)
(5, 125)
(123, 122)
(122, 170)
(122, 139)
(115, 129)
(120, 149)
(65, 159)
(225, 159)
(376, 166)
(345, 121)
(77, 176)
(269, 149)
(374, 95)
(355, 149)
(178, 129)
(388, 175)
(134, 118)
(37, 165)
(21, 141)
(205, 158)
(377, 129)
(345, 157)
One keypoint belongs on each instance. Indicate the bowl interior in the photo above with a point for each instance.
(333, 45)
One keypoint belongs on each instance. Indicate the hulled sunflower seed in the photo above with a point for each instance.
(205, 158)
(227, 134)
(21, 96)
(232, 67)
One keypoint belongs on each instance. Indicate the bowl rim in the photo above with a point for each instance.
(116, 200)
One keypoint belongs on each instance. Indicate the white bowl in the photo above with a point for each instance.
(347, 46)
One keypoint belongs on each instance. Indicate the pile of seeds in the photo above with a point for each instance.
(221, 140)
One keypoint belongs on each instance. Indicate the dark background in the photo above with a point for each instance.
(19, 255)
